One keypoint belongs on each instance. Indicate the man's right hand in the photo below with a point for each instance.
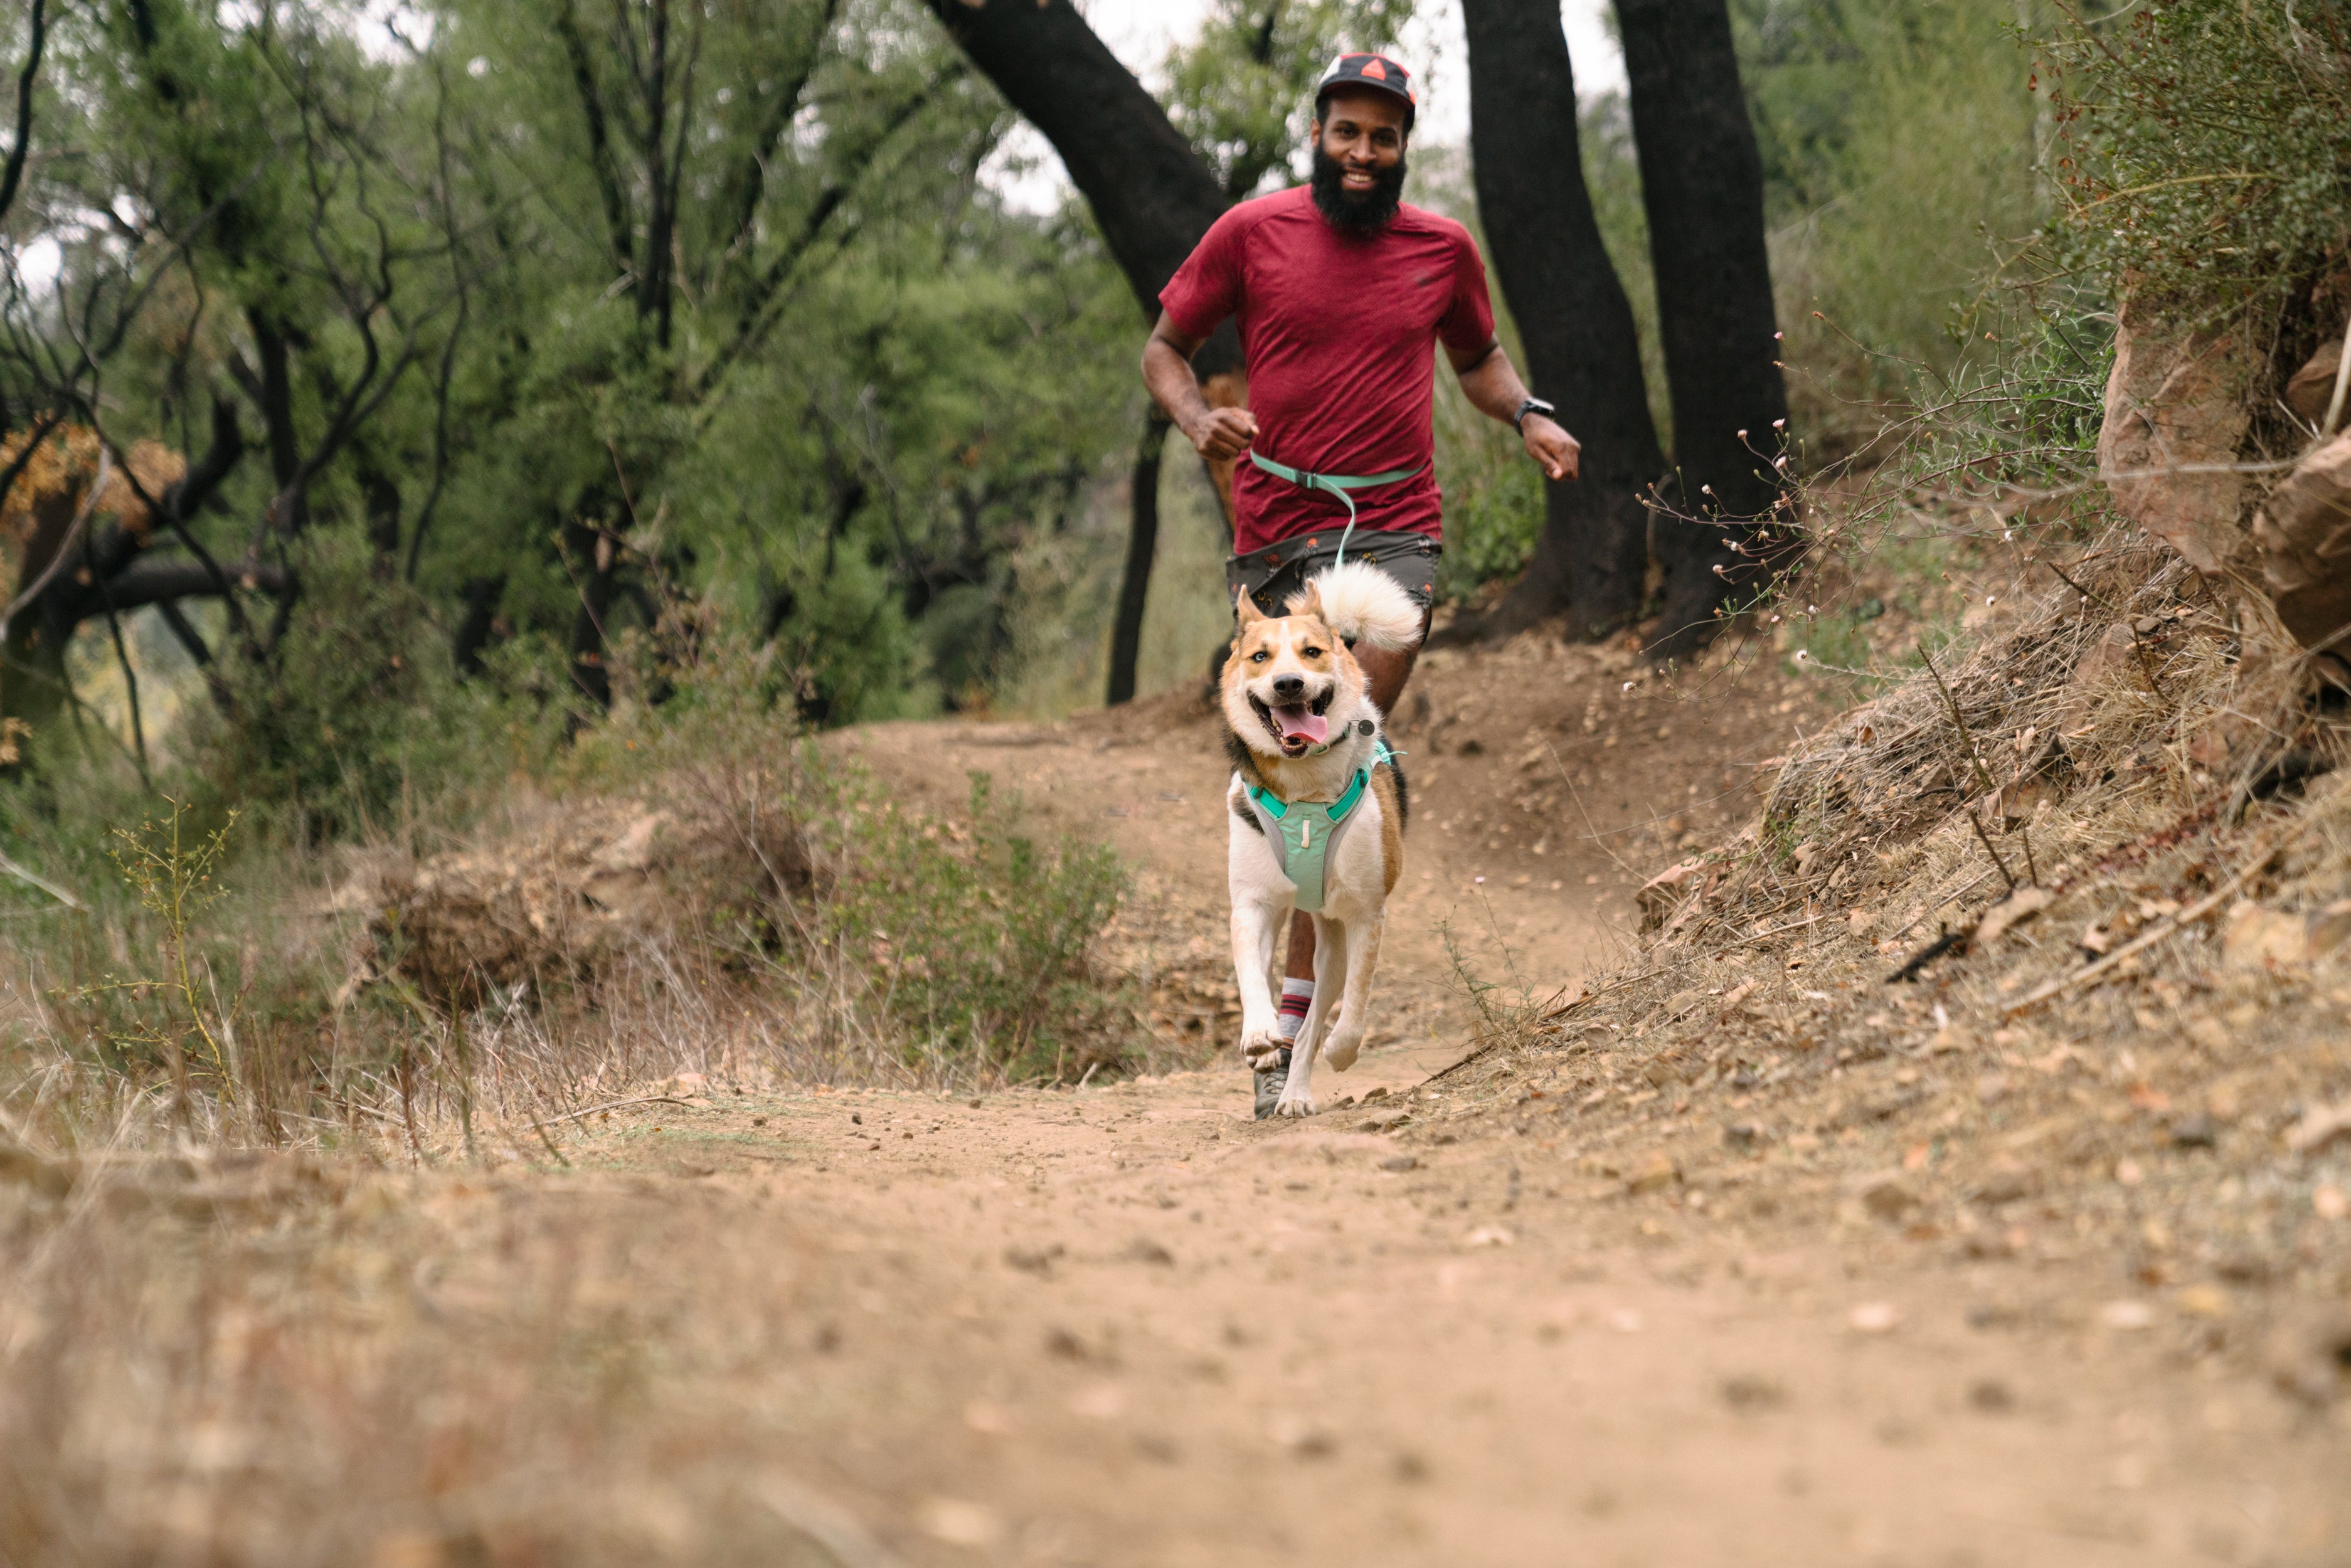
(1222, 434)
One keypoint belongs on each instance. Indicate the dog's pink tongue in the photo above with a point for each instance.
(1297, 723)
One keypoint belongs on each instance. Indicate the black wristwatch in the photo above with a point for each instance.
(1532, 405)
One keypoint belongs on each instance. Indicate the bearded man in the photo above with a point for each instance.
(1339, 289)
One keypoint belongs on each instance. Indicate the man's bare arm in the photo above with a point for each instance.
(1492, 385)
(1219, 432)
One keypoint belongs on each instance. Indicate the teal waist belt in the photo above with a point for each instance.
(1306, 830)
(1337, 484)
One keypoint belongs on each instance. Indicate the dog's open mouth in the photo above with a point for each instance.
(1296, 726)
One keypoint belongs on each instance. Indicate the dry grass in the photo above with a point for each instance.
(2157, 762)
(274, 1360)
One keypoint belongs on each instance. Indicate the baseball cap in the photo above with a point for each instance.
(1377, 71)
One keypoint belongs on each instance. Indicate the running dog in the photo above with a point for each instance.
(1318, 807)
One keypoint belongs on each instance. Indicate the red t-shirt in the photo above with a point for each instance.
(1336, 331)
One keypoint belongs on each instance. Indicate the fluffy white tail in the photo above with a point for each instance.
(1362, 604)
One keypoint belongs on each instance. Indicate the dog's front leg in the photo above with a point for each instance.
(1354, 1011)
(1330, 964)
(1258, 917)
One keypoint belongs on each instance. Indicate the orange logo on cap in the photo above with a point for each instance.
(1373, 69)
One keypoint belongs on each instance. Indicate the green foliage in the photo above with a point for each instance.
(1243, 92)
(1900, 150)
(353, 718)
(2201, 151)
(169, 866)
(967, 947)
(979, 940)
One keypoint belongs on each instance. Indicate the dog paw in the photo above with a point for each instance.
(1259, 1044)
(1341, 1057)
(1303, 1106)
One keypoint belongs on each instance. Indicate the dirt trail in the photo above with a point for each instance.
(1127, 1326)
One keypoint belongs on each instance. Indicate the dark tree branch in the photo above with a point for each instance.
(152, 580)
(747, 190)
(12, 173)
(1151, 193)
(757, 311)
(169, 612)
(618, 227)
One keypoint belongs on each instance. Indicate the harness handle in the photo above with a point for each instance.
(1338, 485)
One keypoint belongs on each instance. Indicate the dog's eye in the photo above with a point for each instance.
(1259, 657)
(1311, 653)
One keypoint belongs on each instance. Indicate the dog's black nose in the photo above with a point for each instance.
(1289, 688)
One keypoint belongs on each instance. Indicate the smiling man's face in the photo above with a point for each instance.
(1362, 132)
(1359, 166)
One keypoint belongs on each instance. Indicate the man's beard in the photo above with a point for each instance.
(1356, 212)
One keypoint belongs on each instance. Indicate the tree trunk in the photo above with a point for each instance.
(1141, 544)
(1152, 195)
(595, 553)
(1702, 185)
(1583, 352)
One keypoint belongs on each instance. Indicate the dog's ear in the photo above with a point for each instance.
(1246, 608)
(1308, 602)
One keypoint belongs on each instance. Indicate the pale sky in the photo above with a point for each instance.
(1139, 32)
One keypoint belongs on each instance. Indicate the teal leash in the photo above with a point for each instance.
(1338, 485)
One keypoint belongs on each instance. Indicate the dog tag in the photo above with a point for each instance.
(1306, 835)
(1362, 727)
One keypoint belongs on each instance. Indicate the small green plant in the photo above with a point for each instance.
(979, 939)
(171, 874)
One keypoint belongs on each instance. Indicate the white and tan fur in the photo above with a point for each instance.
(1285, 664)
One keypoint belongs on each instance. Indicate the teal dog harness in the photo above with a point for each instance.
(1306, 830)
(1337, 484)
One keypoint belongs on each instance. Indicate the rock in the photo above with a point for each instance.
(1990, 1396)
(1747, 1391)
(1032, 1260)
(2304, 529)
(1875, 1317)
(2127, 1317)
(2313, 386)
(1384, 1121)
(2196, 1132)
(2203, 1301)
(2309, 1354)
(1657, 1174)
(1743, 1136)
(2258, 939)
(961, 1523)
(1142, 1249)
(1399, 1163)
(1301, 1437)
(2175, 400)
(1885, 1195)
(2321, 1128)
(2005, 1182)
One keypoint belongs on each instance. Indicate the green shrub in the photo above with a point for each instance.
(2201, 152)
(976, 939)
